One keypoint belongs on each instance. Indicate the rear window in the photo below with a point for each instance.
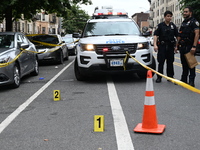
(45, 38)
(111, 28)
(68, 39)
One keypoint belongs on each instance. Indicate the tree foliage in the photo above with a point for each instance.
(75, 20)
(13, 9)
(195, 4)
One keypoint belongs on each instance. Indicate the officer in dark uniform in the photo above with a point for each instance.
(164, 44)
(187, 39)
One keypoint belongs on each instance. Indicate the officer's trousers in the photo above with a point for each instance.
(166, 52)
(186, 70)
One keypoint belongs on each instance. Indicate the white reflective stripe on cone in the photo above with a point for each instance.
(149, 84)
(149, 100)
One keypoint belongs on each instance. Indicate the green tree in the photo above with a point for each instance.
(11, 10)
(195, 4)
(74, 20)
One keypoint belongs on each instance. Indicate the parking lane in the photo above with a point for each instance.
(13, 115)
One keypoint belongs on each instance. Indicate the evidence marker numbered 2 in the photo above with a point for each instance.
(56, 95)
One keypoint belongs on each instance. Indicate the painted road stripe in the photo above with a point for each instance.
(123, 138)
(13, 115)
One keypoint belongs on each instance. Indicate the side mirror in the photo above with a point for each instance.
(24, 45)
(76, 35)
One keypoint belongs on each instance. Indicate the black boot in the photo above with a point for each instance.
(158, 80)
(184, 80)
(191, 82)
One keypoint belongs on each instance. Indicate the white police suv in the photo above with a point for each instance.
(103, 45)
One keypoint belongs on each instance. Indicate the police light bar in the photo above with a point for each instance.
(110, 13)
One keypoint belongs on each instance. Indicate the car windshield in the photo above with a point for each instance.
(6, 41)
(68, 39)
(111, 28)
(52, 39)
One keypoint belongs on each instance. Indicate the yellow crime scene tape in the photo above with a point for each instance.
(23, 50)
(6, 64)
(178, 82)
(55, 47)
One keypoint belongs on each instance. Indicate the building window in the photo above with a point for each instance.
(43, 30)
(22, 27)
(53, 31)
(43, 16)
(18, 26)
(29, 28)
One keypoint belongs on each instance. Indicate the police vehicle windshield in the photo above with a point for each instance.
(111, 28)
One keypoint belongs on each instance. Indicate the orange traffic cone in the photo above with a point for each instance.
(149, 123)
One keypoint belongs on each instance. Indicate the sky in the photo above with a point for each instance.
(131, 6)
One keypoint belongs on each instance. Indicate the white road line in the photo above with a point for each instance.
(123, 138)
(13, 115)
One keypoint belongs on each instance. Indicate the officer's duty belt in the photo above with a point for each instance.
(166, 42)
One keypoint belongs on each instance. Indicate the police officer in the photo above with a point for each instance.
(164, 44)
(187, 38)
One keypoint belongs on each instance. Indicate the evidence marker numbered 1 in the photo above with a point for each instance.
(56, 95)
(98, 123)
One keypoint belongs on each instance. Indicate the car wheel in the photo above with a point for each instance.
(78, 74)
(16, 77)
(74, 51)
(36, 69)
(61, 59)
(142, 75)
(67, 55)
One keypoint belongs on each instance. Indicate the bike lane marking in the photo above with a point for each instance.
(23, 106)
(124, 141)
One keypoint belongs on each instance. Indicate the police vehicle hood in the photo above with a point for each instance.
(113, 39)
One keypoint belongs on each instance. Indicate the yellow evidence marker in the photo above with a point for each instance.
(98, 123)
(56, 95)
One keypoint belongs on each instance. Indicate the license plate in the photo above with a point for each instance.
(116, 62)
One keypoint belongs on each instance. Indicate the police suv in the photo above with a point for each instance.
(104, 42)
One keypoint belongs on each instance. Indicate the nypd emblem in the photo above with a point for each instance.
(197, 23)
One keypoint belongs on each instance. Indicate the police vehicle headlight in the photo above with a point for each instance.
(87, 47)
(143, 45)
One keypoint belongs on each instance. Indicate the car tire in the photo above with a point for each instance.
(16, 77)
(142, 74)
(78, 74)
(36, 68)
(74, 53)
(61, 58)
(67, 55)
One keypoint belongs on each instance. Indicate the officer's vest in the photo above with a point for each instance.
(167, 33)
(187, 31)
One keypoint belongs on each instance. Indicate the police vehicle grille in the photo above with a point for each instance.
(116, 48)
